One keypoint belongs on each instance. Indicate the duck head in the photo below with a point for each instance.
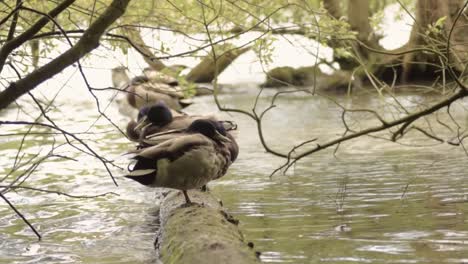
(120, 77)
(158, 114)
(209, 128)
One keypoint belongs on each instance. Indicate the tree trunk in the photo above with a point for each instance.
(334, 8)
(206, 70)
(34, 45)
(459, 38)
(148, 56)
(410, 66)
(428, 12)
(87, 43)
(358, 18)
(358, 13)
(200, 233)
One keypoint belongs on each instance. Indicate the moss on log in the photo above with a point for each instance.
(284, 76)
(280, 76)
(338, 81)
(205, 71)
(200, 233)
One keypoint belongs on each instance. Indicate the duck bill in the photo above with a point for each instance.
(221, 138)
(142, 123)
(168, 132)
(228, 125)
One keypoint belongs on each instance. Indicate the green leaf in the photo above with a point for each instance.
(440, 22)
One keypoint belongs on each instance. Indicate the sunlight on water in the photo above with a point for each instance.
(375, 202)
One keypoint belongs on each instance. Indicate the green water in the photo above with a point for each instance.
(374, 201)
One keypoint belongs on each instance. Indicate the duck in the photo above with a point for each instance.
(120, 81)
(142, 92)
(159, 77)
(158, 122)
(189, 161)
(151, 87)
(158, 115)
(120, 77)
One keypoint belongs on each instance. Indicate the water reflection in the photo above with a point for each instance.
(373, 202)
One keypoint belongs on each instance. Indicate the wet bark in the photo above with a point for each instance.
(200, 233)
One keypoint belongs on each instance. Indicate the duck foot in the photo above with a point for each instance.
(186, 205)
(187, 199)
(189, 203)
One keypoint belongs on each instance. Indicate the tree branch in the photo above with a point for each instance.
(21, 215)
(14, 21)
(58, 192)
(409, 118)
(88, 42)
(14, 43)
(91, 152)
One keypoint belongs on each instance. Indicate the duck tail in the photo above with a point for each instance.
(144, 171)
(185, 102)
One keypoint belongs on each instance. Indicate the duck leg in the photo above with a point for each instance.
(204, 188)
(187, 199)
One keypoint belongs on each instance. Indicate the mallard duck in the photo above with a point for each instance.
(141, 93)
(152, 120)
(166, 134)
(159, 77)
(149, 88)
(120, 77)
(188, 161)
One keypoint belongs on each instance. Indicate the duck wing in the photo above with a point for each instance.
(232, 147)
(138, 97)
(173, 148)
(173, 91)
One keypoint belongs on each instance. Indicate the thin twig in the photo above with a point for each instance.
(21, 215)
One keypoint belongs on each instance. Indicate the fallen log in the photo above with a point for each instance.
(200, 233)
(338, 81)
(206, 70)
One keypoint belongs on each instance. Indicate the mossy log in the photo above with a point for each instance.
(284, 76)
(200, 233)
(338, 81)
(205, 71)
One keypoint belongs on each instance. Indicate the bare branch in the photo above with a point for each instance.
(21, 215)
(13, 12)
(104, 161)
(9, 46)
(58, 192)
(444, 103)
(14, 21)
(88, 42)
